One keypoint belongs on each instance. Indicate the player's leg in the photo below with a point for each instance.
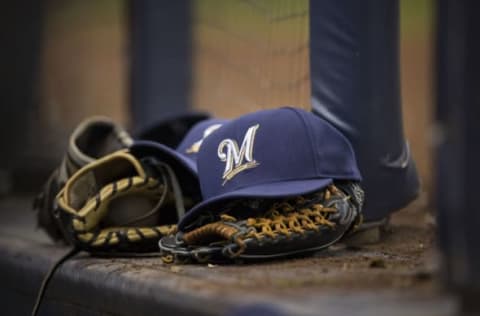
(355, 86)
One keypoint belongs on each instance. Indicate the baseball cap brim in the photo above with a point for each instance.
(165, 154)
(267, 191)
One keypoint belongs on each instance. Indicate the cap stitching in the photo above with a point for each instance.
(332, 177)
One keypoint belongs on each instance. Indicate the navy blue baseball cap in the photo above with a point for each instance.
(182, 159)
(170, 129)
(270, 154)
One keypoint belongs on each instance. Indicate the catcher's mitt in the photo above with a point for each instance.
(92, 139)
(119, 204)
(271, 229)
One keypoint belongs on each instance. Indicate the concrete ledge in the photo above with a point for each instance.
(319, 285)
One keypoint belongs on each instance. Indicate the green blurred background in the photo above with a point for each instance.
(247, 55)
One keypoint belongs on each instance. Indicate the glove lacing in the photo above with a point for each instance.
(282, 218)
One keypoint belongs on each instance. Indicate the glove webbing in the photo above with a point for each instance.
(282, 218)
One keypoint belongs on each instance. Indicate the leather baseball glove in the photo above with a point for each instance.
(119, 203)
(92, 139)
(263, 229)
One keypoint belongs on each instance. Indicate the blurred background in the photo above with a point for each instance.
(81, 58)
(139, 61)
(64, 60)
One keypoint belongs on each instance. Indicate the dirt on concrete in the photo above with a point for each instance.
(397, 276)
(405, 258)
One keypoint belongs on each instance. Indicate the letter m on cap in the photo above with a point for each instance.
(237, 159)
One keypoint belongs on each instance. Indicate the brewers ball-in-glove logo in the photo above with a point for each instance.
(196, 146)
(234, 157)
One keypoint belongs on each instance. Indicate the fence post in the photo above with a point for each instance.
(458, 148)
(160, 40)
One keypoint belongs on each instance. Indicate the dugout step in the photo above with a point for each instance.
(145, 286)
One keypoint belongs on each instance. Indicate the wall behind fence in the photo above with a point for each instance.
(84, 63)
(249, 55)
